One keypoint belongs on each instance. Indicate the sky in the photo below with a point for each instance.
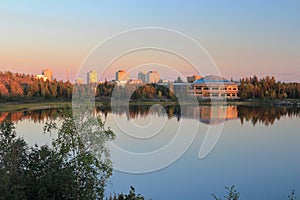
(244, 38)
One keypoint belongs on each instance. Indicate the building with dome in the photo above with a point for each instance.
(215, 87)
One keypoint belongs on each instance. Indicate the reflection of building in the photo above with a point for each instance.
(152, 77)
(48, 74)
(215, 114)
(193, 78)
(142, 76)
(92, 77)
(122, 75)
(215, 87)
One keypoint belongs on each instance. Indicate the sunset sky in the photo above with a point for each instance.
(243, 37)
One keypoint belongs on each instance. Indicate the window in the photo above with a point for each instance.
(205, 88)
(234, 88)
(215, 88)
(198, 87)
(229, 88)
(215, 94)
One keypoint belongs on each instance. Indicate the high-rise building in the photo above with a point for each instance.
(92, 77)
(142, 76)
(47, 73)
(152, 77)
(122, 75)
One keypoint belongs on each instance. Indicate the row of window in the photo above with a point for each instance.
(214, 88)
(215, 94)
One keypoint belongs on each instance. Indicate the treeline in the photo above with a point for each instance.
(22, 87)
(267, 88)
(153, 92)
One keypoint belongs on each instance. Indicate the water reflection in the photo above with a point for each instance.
(205, 114)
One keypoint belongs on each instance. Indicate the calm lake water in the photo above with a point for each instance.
(257, 150)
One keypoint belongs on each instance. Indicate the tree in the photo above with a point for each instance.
(292, 196)
(130, 196)
(178, 80)
(69, 170)
(232, 194)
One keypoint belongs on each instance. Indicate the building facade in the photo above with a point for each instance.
(142, 76)
(215, 87)
(122, 75)
(92, 77)
(48, 74)
(152, 77)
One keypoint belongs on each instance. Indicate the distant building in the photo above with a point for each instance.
(92, 77)
(48, 74)
(152, 77)
(122, 75)
(193, 78)
(79, 81)
(135, 81)
(215, 87)
(41, 77)
(142, 76)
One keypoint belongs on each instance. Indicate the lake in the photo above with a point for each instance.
(254, 148)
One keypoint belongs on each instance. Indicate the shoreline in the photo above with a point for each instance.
(19, 106)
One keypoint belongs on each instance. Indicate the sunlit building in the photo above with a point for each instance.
(41, 77)
(122, 75)
(48, 74)
(152, 77)
(215, 87)
(92, 77)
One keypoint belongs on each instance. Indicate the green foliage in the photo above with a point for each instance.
(267, 88)
(130, 196)
(232, 194)
(69, 170)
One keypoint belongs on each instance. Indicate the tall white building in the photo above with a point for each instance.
(152, 77)
(122, 75)
(92, 77)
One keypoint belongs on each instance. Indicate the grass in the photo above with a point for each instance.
(15, 106)
(32, 106)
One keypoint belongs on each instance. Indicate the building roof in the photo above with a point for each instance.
(214, 80)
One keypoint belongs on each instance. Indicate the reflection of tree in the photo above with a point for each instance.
(32, 115)
(266, 115)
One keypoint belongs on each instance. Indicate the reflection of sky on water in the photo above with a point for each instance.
(261, 161)
(32, 132)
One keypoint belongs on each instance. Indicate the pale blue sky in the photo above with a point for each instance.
(243, 37)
